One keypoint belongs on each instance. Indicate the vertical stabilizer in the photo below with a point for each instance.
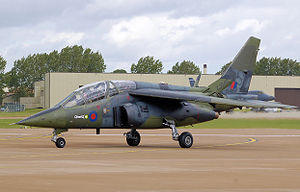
(192, 82)
(237, 78)
(198, 80)
(241, 70)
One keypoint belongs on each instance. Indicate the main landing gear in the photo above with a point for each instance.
(133, 137)
(59, 141)
(185, 139)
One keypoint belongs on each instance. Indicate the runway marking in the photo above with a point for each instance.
(249, 140)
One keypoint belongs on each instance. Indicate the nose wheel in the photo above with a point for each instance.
(59, 141)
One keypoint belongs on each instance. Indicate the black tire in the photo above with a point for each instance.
(134, 139)
(60, 142)
(185, 140)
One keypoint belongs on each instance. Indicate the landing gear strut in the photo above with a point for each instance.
(133, 137)
(59, 141)
(185, 139)
(171, 124)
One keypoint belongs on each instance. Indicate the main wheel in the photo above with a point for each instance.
(133, 139)
(185, 140)
(60, 142)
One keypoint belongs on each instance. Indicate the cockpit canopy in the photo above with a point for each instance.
(96, 91)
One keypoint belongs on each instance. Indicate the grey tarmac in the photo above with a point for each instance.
(220, 160)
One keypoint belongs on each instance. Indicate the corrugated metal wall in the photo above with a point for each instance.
(289, 96)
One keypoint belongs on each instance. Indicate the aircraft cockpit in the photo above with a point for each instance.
(96, 91)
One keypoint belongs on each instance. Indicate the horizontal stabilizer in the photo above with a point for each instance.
(188, 96)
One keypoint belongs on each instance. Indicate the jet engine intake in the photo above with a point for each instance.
(130, 115)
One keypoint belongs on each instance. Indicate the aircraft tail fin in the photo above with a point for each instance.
(237, 78)
(194, 83)
(197, 80)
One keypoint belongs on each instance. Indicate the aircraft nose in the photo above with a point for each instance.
(29, 121)
(271, 98)
(44, 118)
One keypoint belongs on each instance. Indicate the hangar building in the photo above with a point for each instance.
(59, 85)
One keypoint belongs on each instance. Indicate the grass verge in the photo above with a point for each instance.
(26, 113)
(5, 123)
(249, 123)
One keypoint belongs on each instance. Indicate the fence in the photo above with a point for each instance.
(13, 107)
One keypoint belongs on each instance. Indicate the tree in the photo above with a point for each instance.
(2, 80)
(147, 65)
(273, 66)
(76, 59)
(120, 71)
(28, 70)
(223, 69)
(277, 66)
(185, 67)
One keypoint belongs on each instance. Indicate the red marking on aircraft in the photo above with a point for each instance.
(93, 116)
(233, 85)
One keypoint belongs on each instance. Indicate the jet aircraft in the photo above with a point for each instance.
(124, 104)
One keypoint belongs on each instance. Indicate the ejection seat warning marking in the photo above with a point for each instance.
(79, 116)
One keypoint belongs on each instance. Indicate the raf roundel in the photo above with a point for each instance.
(93, 116)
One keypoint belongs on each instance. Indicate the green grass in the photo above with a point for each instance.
(26, 113)
(249, 123)
(4, 123)
(242, 110)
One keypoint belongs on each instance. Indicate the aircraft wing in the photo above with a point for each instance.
(192, 96)
(274, 104)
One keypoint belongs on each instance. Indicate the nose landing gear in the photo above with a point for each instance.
(59, 141)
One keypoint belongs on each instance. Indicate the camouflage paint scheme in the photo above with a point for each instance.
(144, 112)
(141, 105)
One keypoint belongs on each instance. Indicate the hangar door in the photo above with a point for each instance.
(290, 96)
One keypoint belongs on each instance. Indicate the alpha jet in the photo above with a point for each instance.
(139, 105)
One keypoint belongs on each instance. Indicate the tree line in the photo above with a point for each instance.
(27, 70)
(273, 66)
